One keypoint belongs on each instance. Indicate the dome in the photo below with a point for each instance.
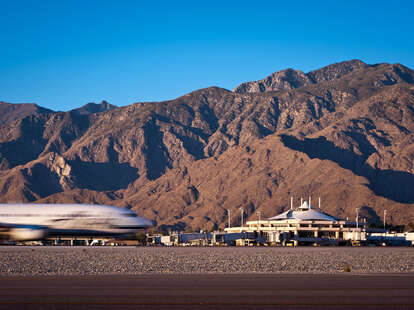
(305, 212)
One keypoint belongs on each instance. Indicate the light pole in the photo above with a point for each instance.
(357, 217)
(259, 214)
(385, 213)
(228, 213)
(241, 213)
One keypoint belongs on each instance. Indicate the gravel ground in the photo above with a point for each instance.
(16, 260)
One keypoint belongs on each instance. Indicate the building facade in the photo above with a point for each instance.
(304, 226)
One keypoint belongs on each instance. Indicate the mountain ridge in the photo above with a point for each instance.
(348, 138)
(290, 79)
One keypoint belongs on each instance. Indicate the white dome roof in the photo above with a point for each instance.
(305, 212)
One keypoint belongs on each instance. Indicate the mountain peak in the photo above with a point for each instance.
(336, 70)
(92, 107)
(280, 80)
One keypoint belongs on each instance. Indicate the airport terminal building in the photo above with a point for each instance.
(304, 226)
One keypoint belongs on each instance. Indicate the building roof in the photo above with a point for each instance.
(305, 212)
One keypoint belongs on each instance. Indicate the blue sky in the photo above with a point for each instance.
(63, 54)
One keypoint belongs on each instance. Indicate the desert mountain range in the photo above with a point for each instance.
(344, 133)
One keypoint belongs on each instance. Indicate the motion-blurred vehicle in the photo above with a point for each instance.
(39, 221)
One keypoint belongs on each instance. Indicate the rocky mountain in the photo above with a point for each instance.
(11, 112)
(343, 132)
(92, 107)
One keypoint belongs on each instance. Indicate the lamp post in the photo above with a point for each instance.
(385, 213)
(228, 213)
(357, 217)
(259, 214)
(241, 213)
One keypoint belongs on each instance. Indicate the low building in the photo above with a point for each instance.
(229, 239)
(304, 226)
(391, 239)
(177, 238)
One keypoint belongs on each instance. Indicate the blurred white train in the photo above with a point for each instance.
(39, 221)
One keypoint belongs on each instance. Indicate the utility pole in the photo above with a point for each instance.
(228, 213)
(241, 212)
(357, 217)
(385, 213)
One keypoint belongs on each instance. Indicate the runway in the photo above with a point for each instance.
(344, 291)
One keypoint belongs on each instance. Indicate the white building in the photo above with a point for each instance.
(305, 225)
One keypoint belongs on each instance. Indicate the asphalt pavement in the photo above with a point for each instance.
(244, 291)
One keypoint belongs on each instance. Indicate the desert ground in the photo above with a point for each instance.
(32, 260)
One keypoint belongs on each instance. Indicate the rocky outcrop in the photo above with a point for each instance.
(61, 167)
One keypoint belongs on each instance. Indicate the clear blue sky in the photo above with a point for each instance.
(63, 54)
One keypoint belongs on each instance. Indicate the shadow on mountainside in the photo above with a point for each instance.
(28, 144)
(157, 158)
(21, 151)
(180, 226)
(370, 215)
(42, 181)
(103, 176)
(390, 184)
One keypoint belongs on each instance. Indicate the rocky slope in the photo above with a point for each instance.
(343, 132)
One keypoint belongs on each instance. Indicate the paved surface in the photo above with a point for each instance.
(345, 291)
(202, 260)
